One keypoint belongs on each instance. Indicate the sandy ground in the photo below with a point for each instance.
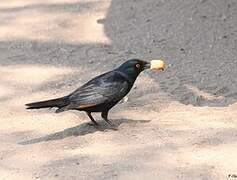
(180, 124)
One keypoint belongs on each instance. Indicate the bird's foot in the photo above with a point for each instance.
(112, 126)
(93, 124)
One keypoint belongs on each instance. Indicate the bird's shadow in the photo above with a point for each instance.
(82, 129)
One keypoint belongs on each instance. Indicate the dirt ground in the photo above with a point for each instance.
(179, 124)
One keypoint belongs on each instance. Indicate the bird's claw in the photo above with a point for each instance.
(93, 124)
(112, 126)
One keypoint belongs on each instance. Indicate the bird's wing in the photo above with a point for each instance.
(109, 87)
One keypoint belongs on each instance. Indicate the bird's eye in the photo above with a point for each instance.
(138, 66)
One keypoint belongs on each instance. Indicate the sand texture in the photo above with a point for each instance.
(178, 124)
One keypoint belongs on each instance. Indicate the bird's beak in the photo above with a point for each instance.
(157, 65)
(147, 65)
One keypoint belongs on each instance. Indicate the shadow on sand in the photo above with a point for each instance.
(80, 130)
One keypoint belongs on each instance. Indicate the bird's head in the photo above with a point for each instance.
(134, 67)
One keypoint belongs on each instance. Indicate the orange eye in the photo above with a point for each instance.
(138, 66)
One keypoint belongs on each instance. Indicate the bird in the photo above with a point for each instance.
(103, 92)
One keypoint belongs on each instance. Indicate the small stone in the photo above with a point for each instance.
(148, 20)
(101, 21)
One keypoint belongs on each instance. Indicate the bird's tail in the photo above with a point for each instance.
(59, 102)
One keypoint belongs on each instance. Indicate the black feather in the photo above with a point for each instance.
(59, 102)
(99, 94)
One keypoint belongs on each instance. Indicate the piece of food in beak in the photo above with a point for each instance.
(157, 65)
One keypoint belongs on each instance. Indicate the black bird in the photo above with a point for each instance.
(101, 93)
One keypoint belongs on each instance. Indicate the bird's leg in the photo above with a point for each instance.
(104, 115)
(91, 118)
